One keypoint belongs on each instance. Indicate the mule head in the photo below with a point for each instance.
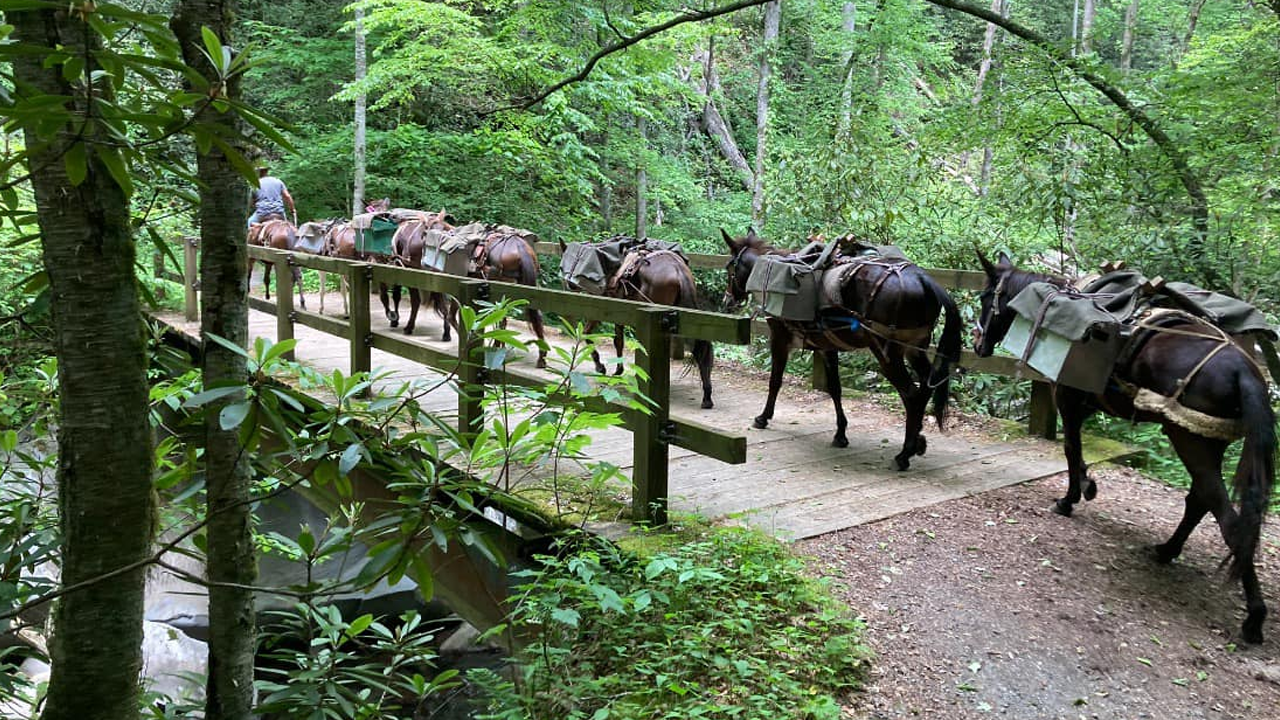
(742, 258)
(995, 316)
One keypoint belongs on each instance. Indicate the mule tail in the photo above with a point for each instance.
(1256, 470)
(948, 353)
(702, 353)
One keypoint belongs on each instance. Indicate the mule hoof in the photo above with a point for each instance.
(601, 370)
(1090, 490)
(617, 370)
(1164, 554)
(408, 329)
(541, 364)
(761, 422)
(921, 445)
(395, 323)
(902, 461)
(1252, 628)
(707, 404)
(840, 441)
(1063, 508)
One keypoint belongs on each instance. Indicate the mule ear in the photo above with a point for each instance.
(563, 247)
(986, 264)
(1004, 259)
(751, 232)
(728, 240)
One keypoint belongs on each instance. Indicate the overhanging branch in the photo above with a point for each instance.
(685, 16)
(1082, 69)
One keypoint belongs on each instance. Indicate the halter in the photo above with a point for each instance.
(732, 267)
(980, 325)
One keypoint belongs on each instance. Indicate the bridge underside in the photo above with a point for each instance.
(794, 483)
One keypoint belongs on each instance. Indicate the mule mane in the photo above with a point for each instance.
(1017, 280)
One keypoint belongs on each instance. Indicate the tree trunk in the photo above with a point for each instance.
(224, 312)
(772, 24)
(106, 512)
(1086, 27)
(989, 62)
(1177, 158)
(1193, 18)
(1126, 43)
(713, 123)
(642, 184)
(357, 200)
(848, 23)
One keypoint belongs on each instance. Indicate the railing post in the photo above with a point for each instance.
(470, 363)
(359, 276)
(284, 299)
(649, 468)
(191, 278)
(1043, 419)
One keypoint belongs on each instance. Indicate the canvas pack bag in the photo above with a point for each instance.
(587, 267)
(374, 233)
(1065, 336)
(451, 251)
(788, 286)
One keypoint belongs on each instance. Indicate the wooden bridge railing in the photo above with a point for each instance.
(1043, 416)
(655, 327)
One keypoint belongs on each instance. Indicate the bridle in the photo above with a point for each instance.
(732, 268)
(993, 311)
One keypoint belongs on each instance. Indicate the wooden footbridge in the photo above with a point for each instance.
(786, 479)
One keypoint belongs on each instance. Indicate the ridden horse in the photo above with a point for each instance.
(888, 307)
(657, 277)
(1202, 386)
(406, 251)
(277, 233)
(504, 256)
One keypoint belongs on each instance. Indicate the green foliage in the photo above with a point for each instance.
(723, 626)
(320, 665)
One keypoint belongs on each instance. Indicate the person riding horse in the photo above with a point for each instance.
(269, 199)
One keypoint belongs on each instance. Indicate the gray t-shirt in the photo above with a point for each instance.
(270, 196)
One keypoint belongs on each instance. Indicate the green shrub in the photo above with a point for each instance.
(726, 626)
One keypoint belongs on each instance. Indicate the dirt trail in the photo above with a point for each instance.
(994, 605)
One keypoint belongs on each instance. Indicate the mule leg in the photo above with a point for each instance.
(779, 349)
(619, 342)
(704, 355)
(534, 318)
(393, 315)
(922, 368)
(1074, 409)
(415, 299)
(344, 289)
(297, 287)
(588, 328)
(324, 280)
(831, 359)
(266, 280)
(451, 310)
(1203, 459)
(894, 367)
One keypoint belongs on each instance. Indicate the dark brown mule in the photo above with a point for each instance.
(277, 233)
(659, 277)
(406, 251)
(1204, 379)
(504, 256)
(891, 309)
